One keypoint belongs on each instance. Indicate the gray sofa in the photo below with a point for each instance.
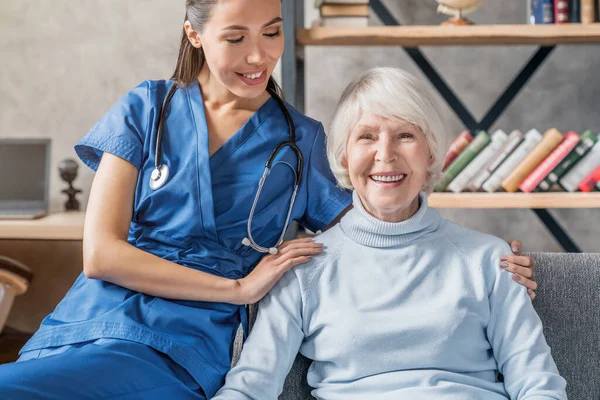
(568, 302)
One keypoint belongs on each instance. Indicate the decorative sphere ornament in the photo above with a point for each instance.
(456, 9)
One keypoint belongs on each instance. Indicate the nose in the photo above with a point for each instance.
(256, 55)
(386, 152)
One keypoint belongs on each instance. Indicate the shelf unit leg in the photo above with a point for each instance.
(557, 231)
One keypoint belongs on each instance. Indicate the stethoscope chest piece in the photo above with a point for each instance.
(159, 177)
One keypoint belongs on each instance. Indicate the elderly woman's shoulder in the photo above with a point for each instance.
(333, 241)
(472, 242)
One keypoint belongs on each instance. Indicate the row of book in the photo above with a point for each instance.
(563, 11)
(343, 13)
(529, 162)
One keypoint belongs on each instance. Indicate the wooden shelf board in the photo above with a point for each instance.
(515, 200)
(59, 226)
(434, 35)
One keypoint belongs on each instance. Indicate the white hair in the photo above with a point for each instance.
(389, 93)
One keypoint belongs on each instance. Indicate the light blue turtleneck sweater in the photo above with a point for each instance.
(413, 310)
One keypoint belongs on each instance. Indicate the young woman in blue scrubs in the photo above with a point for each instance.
(155, 311)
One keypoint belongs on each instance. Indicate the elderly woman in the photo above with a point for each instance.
(401, 304)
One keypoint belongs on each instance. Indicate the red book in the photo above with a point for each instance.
(457, 147)
(561, 11)
(591, 181)
(543, 170)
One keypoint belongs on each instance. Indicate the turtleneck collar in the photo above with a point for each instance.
(367, 230)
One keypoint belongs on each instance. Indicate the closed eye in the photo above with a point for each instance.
(406, 136)
(235, 41)
(274, 34)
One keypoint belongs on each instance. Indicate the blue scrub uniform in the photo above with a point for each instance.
(197, 219)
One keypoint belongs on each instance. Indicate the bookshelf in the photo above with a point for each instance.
(515, 200)
(409, 38)
(412, 36)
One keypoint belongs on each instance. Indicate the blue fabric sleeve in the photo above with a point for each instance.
(325, 199)
(272, 346)
(517, 338)
(121, 131)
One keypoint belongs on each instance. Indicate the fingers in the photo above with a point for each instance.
(291, 243)
(528, 283)
(517, 269)
(300, 245)
(523, 261)
(531, 294)
(516, 246)
(292, 262)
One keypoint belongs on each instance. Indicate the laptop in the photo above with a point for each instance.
(24, 178)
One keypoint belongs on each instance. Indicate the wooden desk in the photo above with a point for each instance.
(52, 248)
(60, 226)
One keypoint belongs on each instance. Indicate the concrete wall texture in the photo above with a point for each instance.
(65, 64)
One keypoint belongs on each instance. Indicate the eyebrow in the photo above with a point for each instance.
(245, 28)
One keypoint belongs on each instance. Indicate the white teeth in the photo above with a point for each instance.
(395, 178)
(253, 76)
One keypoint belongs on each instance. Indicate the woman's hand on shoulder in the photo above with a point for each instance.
(521, 266)
(273, 266)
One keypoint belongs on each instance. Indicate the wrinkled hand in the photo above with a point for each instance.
(272, 267)
(521, 267)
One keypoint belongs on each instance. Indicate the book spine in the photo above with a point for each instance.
(532, 138)
(514, 139)
(542, 12)
(460, 182)
(457, 147)
(479, 142)
(587, 141)
(591, 181)
(574, 11)
(587, 11)
(550, 141)
(587, 164)
(543, 170)
(561, 11)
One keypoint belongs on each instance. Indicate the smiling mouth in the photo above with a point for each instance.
(253, 76)
(388, 178)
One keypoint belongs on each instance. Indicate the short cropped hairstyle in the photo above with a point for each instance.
(393, 94)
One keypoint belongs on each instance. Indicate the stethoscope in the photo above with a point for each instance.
(160, 174)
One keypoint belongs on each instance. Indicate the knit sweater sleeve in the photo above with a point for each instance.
(516, 335)
(271, 347)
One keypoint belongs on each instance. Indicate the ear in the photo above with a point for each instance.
(192, 35)
(345, 163)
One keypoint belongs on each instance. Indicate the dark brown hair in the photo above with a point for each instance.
(191, 59)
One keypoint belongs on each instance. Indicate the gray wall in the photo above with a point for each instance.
(65, 63)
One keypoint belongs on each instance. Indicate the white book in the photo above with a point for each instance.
(343, 22)
(570, 182)
(460, 182)
(532, 138)
(514, 139)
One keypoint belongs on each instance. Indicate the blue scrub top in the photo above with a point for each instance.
(198, 219)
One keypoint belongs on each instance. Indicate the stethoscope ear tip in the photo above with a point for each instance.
(246, 241)
(273, 250)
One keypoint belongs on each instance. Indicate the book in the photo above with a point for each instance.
(344, 10)
(590, 182)
(588, 11)
(342, 22)
(587, 141)
(457, 147)
(574, 11)
(583, 168)
(473, 149)
(542, 12)
(321, 2)
(549, 163)
(550, 141)
(460, 182)
(532, 138)
(561, 11)
(514, 139)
